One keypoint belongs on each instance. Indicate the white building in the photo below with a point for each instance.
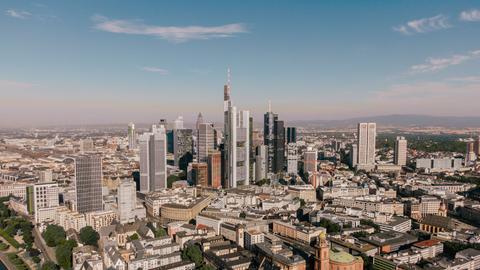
(45, 201)
(153, 159)
(261, 163)
(367, 133)
(400, 151)
(292, 158)
(132, 136)
(128, 210)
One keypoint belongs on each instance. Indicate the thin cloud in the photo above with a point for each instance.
(170, 33)
(437, 64)
(19, 14)
(161, 71)
(13, 85)
(424, 25)
(466, 79)
(472, 15)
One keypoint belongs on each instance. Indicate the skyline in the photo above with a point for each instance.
(115, 63)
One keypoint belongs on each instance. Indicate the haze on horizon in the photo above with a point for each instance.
(115, 62)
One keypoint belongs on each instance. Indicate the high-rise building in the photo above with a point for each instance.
(128, 210)
(353, 155)
(292, 158)
(261, 157)
(291, 135)
(200, 174)
(177, 123)
(274, 139)
(153, 160)
(243, 148)
(182, 144)
(88, 183)
(205, 141)
(367, 134)
(132, 136)
(215, 169)
(310, 161)
(476, 146)
(400, 151)
(470, 153)
(236, 142)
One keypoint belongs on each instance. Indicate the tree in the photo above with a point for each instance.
(54, 235)
(171, 179)
(370, 223)
(133, 237)
(193, 253)
(63, 253)
(360, 234)
(48, 265)
(243, 215)
(160, 232)
(89, 236)
(192, 221)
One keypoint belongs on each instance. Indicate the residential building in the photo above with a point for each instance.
(367, 133)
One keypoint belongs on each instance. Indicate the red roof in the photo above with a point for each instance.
(426, 243)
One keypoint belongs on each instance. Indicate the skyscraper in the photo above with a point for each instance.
(88, 183)
(470, 153)
(291, 135)
(292, 158)
(215, 169)
(476, 146)
(153, 160)
(310, 161)
(261, 158)
(205, 141)
(274, 139)
(132, 136)
(182, 144)
(200, 174)
(243, 148)
(236, 139)
(353, 155)
(367, 134)
(127, 202)
(400, 151)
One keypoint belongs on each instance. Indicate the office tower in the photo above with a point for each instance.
(251, 156)
(274, 139)
(88, 183)
(470, 153)
(45, 176)
(291, 135)
(400, 151)
(199, 121)
(200, 174)
(476, 146)
(128, 210)
(86, 145)
(243, 148)
(205, 141)
(261, 159)
(230, 138)
(44, 201)
(215, 169)
(132, 136)
(182, 144)
(196, 133)
(353, 155)
(310, 161)
(153, 160)
(177, 123)
(127, 200)
(367, 133)
(292, 158)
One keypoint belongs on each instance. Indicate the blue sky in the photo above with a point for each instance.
(117, 61)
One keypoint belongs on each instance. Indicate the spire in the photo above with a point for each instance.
(228, 77)
(269, 106)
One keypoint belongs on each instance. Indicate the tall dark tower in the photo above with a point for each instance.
(291, 135)
(274, 139)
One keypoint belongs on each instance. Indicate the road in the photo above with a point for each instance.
(47, 251)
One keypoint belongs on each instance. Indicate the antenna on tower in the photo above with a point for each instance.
(228, 77)
(269, 106)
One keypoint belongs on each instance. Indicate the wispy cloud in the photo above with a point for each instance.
(436, 64)
(466, 79)
(472, 15)
(424, 25)
(19, 14)
(8, 85)
(160, 71)
(170, 33)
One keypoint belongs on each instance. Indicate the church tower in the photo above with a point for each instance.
(322, 256)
